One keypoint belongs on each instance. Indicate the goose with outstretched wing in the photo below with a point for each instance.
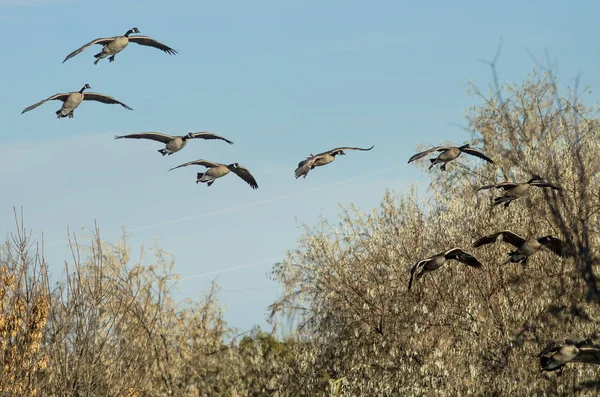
(71, 100)
(173, 143)
(449, 153)
(217, 170)
(434, 262)
(322, 159)
(111, 46)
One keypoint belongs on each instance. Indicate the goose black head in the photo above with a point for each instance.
(464, 146)
(130, 31)
(190, 135)
(534, 178)
(338, 152)
(85, 87)
(234, 165)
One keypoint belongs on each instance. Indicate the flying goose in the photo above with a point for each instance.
(173, 143)
(113, 45)
(524, 248)
(436, 261)
(217, 170)
(514, 190)
(556, 355)
(448, 154)
(73, 99)
(321, 159)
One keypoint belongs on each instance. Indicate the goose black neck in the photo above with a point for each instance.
(130, 31)
(82, 89)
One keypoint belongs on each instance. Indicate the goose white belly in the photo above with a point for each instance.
(71, 103)
(175, 145)
(115, 46)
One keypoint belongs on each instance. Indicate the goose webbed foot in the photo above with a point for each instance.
(111, 59)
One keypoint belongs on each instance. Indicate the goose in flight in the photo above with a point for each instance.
(436, 261)
(555, 355)
(514, 190)
(73, 99)
(322, 159)
(173, 143)
(217, 170)
(113, 45)
(449, 153)
(524, 247)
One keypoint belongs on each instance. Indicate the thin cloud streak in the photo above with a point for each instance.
(239, 207)
(29, 3)
(231, 269)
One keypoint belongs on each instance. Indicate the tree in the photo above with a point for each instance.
(460, 330)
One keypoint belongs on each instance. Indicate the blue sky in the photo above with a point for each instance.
(280, 78)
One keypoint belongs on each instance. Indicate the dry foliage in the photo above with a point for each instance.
(23, 311)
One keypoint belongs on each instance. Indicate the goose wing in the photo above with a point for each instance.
(589, 354)
(204, 163)
(93, 96)
(346, 148)
(545, 184)
(414, 270)
(103, 41)
(509, 237)
(551, 348)
(548, 362)
(305, 165)
(426, 152)
(502, 185)
(464, 257)
(477, 153)
(150, 42)
(155, 136)
(62, 97)
(243, 173)
(555, 245)
(210, 135)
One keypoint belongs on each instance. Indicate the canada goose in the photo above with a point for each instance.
(514, 190)
(73, 99)
(556, 355)
(174, 143)
(448, 154)
(524, 248)
(113, 45)
(217, 170)
(436, 261)
(321, 159)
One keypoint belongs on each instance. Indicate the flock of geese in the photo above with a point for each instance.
(111, 46)
(553, 357)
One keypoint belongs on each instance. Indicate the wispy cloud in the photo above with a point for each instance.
(29, 3)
